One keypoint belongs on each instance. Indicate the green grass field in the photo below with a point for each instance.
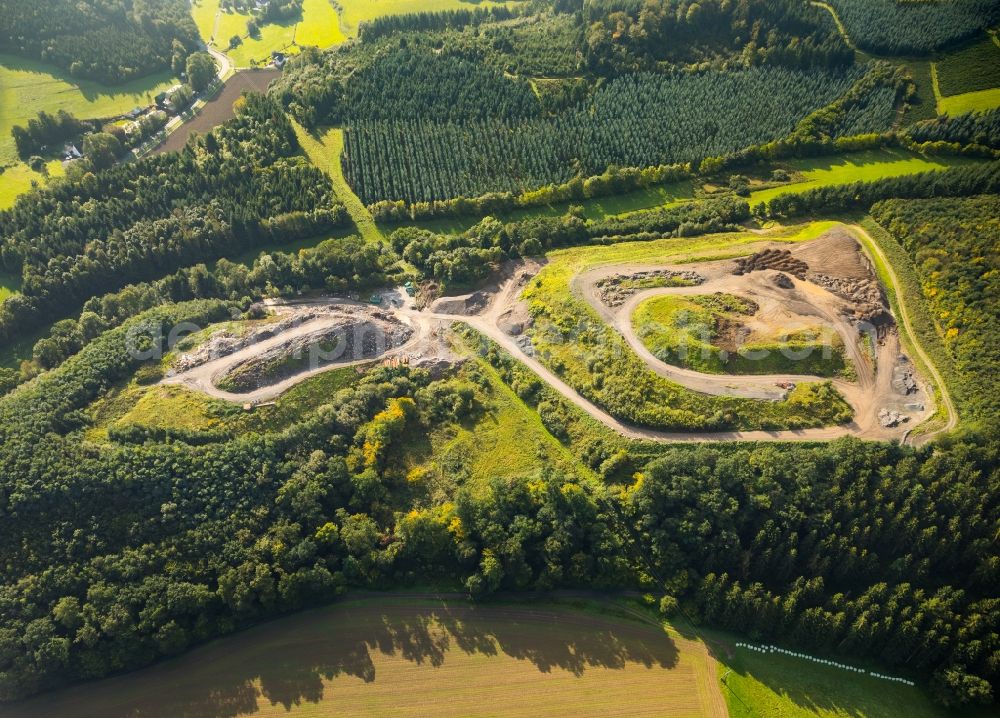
(855, 167)
(324, 150)
(686, 331)
(27, 87)
(355, 12)
(771, 685)
(9, 284)
(216, 28)
(506, 439)
(319, 26)
(970, 102)
(971, 69)
(597, 208)
(176, 407)
(16, 179)
(976, 101)
(257, 50)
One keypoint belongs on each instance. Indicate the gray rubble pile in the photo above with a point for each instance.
(783, 281)
(462, 305)
(888, 418)
(903, 381)
(865, 294)
(617, 289)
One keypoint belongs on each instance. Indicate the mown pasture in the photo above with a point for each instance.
(317, 26)
(772, 685)
(323, 149)
(856, 167)
(412, 656)
(27, 87)
(969, 102)
(18, 178)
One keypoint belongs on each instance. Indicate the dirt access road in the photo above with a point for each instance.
(428, 326)
(203, 377)
(804, 304)
(865, 395)
(904, 314)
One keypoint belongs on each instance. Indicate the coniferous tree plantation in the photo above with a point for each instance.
(971, 128)
(373, 342)
(633, 121)
(448, 97)
(888, 27)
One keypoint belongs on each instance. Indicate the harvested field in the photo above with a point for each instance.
(413, 657)
(220, 108)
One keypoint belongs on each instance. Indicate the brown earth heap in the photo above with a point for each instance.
(780, 259)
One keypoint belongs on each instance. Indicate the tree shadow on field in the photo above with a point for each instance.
(289, 662)
(758, 682)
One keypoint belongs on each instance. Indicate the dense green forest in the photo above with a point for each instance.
(891, 27)
(181, 542)
(333, 265)
(637, 34)
(238, 187)
(859, 196)
(954, 246)
(972, 128)
(106, 40)
(127, 546)
(853, 548)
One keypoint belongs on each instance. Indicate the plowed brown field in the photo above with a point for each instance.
(220, 108)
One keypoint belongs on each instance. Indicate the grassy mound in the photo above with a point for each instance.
(701, 333)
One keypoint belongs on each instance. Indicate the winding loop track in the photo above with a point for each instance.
(425, 323)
